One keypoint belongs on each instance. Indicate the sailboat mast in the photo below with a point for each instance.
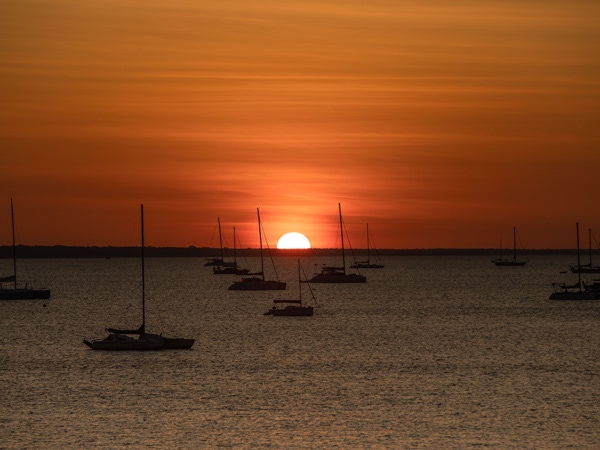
(14, 245)
(143, 276)
(234, 253)
(515, 243)
(299, 282)
(590, 237)
(262, 264)
(578, 258)
(342, 234)
(368, 247)
(220, 238)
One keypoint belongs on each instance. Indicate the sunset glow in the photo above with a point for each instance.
(442, 124)
(293, 240)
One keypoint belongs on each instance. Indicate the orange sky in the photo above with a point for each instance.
(440, 123)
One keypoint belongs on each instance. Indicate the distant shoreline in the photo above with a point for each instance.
(62, 251)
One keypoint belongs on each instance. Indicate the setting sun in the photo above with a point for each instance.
(293, 240)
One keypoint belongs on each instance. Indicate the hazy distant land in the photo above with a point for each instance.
(61, 251)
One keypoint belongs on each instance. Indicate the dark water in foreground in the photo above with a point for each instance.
(432, 352)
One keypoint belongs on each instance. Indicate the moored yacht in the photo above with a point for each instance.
(576, 291)
(9, 289)
(293, 307)
(330, 274)
(258, 282)
(510, 261)
(138, 339)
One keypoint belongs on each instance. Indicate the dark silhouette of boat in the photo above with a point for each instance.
(594, 286)
(231, 268)
(293, 308)
(218, 260)
(331, 274)
(586, 268)
(258, 282)
(576, 291)
(510, 261)
(138, 339)
(230, 271)
(15, 292)
(367, 264)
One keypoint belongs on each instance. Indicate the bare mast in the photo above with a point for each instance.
(143, 328)
(515, 243)
(578, 258)
(262, 264)
(220, 238)
(342, 235)
(14, 245)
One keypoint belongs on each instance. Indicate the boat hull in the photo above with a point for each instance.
(585, 270)
(150, 342)
(124, 344)
(178, 343)
(509, 263)
(366, 266)
(338, 278)
(257, 284)
(24, 294)
(292, 311)
(214, 262)
(230, 271)
(583, 295)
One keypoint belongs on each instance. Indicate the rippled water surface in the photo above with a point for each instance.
(432, 352)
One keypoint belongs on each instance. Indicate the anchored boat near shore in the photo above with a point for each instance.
(15, 292)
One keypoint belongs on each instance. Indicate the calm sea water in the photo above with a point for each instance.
(432, 352)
